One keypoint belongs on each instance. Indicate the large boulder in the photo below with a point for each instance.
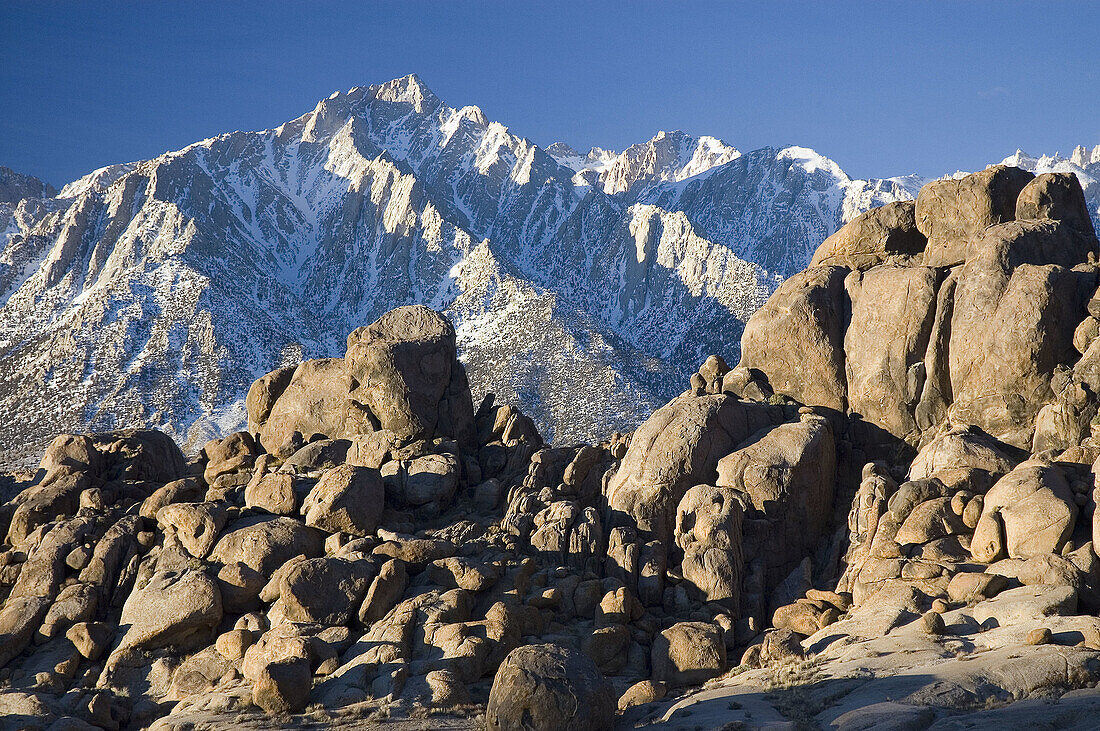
(264, 543)
(950, 211)
(400, 374)
(284, 641)
(384, 592)
(141, 455)
(240, 587)
(263, 394)
(173, 608)
(346, 499)
(317, 400)
(910, 342)
(1058, 196)
(688, 653)
(75, 603)
(708, 531)
(962, 447)
(549, 688)
(928, 521)
(45, 569)
(320, 454)
(677, 447)
(893, 311)
(273, 492)
(1016, 308)
(143, 459)
(407, 372)
(1029, 512)
(886, 233)
(187, 490)
(232, 454)
(195, 525)
(788, 474)
(112, 554)
(428, 482)
(324, 591)
(1031, 241)
(19, 619)
(72, 453)
(58, 494)
(283, 686)
(797, 338)
(279, 664)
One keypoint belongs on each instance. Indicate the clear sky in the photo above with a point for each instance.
(884, 88)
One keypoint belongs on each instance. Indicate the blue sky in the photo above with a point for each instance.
(883, 88)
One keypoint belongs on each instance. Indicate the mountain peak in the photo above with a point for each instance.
(562, 149)
(184, 277)
(811, 161)
(473, 113)
(100, 178)
(1082, 156)
(409, 90)
(667, 156)
(17, 186)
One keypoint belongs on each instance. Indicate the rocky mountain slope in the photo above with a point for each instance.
(153, 293)
(14, 187)
(883, 517)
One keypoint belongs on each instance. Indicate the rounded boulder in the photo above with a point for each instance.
(348, 499)
(549, 687)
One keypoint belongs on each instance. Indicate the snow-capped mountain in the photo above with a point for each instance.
(584, 287)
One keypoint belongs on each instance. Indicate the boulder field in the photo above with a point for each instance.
(883, 517)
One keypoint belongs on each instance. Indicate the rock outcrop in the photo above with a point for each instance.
(900, 472)
(400, 374)
(975, 325)
(955, 371)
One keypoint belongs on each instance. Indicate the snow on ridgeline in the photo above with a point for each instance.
(668, 156)
(104, 177)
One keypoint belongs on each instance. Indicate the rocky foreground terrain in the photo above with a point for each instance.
(882, 517)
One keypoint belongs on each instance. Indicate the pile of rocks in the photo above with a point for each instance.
(882, 475)
(983, 366)
(950, 342)
(374, 545)
(279, 567)
(961, 306)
